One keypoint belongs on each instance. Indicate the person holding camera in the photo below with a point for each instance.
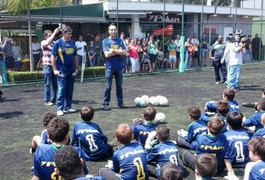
(235, 61)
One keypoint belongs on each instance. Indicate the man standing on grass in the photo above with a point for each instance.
(113, 49)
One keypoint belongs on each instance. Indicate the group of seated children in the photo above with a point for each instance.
(218, 137)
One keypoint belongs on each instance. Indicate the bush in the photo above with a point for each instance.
(25, 76)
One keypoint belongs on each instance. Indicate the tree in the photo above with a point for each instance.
(17, 6)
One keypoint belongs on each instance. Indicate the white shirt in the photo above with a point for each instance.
(235, 55)
(82, 44)
(177, 42)
(36, 48)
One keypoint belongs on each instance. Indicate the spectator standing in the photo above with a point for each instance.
(65, 67)
(189, 52)
(204, 49)
(3, 64)
(195, 42)
(92, 54)
(36, 52)
(134, 50)
(98, 46)
(114, 49)
(172, 48)
(50, 79)
(17, 55)
(8, 54)
(256, 47)
(247, 51)
(81, 48)
(216, 54)
(178, 43)
(152, 51)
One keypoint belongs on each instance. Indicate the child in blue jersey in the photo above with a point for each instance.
(129, 161)
(165, 151)
(43, 139)
(237, 138)
(69, 165)
(255, 170)
(214, 143)
(255, 119)
(261, 132)
(141, 131)
(209, 111)
(171, 171)
(222, 108)
(195, 128)
(206, 167)
(89, 137)
(229, 95)
(44, 165)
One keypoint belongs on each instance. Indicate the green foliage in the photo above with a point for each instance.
(25, 76)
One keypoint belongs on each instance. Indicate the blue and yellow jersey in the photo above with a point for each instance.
(237, 151)
(114, 62)
(130, 162)
(64, 53)
(142, 131)
(91, 139)
(44, 164)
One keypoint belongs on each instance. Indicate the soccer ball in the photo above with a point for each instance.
(163, 101)
(153, 101)
(160, 118)
(145, 97)
(143, 102)
(137, 101)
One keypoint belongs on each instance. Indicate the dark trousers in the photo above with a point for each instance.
(188, 158)
(108, 174)
(181, 142)
(217, 67)
(108, 83)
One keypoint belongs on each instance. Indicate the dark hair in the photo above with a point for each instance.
(229, 94)
(149, 113)
(48, 116)
(68, 162)
(66, 29)
(170, 171)
(163, 133)
(194, 112)
(222, 107)
(87, 113)
(112, 24)
(261, 104)
(257, 146)
(124, 134)
(58, 128)
(206, 165)
(234, 119)
(215, 125)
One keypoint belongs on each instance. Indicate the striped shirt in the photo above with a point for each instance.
(46, 53)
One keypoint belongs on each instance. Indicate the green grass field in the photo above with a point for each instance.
(22, 108)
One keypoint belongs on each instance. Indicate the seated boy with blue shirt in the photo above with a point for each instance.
(238, 139)
(90, 137)
(229, 95)
(160, 154)
(195, 128)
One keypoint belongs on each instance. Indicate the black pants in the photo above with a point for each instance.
(181, 142)
(108, 174)
(217, 67)
(188, 158)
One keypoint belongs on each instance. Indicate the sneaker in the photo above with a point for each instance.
(106, 108)
(122, 106)
(217, 82)
(48, 104)
(224, 82)
(60, 113)
(69, 111)
(32, 151)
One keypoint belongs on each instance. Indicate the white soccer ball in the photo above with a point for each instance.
(137, 101)
(153, 101)
(163, 101)
(143, 102)
(145, 97)
(160, 117)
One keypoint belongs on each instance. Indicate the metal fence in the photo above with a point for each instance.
(22, 32)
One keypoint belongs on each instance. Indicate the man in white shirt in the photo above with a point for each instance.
(81, 48)
(234, 62)
(36, 51)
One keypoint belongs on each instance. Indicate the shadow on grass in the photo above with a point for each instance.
(250, 88)
(8, 115)
(79, 101)
(5, 100)
(32, 90)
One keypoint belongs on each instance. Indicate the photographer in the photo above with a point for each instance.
(235, 61)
